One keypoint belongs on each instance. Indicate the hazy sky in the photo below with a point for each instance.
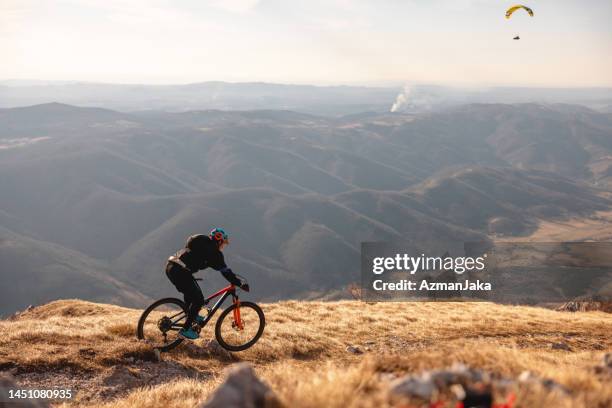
(567, 43)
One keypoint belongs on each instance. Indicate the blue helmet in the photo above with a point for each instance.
(219, 235)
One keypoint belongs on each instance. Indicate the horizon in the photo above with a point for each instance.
(340, 42)
(18, 82)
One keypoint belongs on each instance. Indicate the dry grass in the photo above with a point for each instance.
(596, 228)
(303, 356)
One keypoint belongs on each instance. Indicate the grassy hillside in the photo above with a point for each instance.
(303, 354)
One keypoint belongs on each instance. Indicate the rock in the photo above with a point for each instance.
(560, 346)
(444, 378)
(553, 385)
(421, 387)
(242, 389)
(529, 378)
(587, 305)
(354, 349)
(459, 374)
(369, 343)
(606, 364)
(607, 360)
(7, 383)
(459, 379)
(473, 387)
(569, 307)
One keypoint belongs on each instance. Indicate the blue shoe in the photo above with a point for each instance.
(188, 334)
(199, 320)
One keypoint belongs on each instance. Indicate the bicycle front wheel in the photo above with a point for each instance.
(240, 326)
(160, 323)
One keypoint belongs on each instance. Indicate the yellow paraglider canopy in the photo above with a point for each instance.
(516, 7)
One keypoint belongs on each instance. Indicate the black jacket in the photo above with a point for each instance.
(201, 252)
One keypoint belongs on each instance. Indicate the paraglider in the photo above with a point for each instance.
(511, 11)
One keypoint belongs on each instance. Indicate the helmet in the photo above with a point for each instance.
(219, 235)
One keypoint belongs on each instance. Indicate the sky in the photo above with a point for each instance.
(462, 42)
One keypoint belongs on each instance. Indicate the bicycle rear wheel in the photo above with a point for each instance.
(238, 328)
(160, 323)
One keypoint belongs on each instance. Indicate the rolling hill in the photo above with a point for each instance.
(297, 192)
(34, 272)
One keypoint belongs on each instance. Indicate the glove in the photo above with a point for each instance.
(245, 287)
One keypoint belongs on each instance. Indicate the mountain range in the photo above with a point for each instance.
(330, 101)
(94, 200)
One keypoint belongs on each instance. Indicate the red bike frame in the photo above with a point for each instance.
(224, 293)
(230, 288)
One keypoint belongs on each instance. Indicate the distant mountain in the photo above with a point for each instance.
(55, 115)
(328, 101)
(110, 195)
(568, 140)
(35, 272)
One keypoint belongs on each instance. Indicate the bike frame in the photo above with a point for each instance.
(224, 293)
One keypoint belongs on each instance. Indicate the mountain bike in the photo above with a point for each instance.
(238, 327)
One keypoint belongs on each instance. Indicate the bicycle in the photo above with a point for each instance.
(160, 323)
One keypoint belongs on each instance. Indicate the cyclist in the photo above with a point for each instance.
(200, 252)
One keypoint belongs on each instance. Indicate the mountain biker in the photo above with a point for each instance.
(200, 252)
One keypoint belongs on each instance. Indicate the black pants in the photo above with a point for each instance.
(185, 283)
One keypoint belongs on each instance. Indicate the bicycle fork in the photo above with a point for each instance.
(237, 320)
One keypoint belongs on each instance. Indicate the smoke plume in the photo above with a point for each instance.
(401, 99)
